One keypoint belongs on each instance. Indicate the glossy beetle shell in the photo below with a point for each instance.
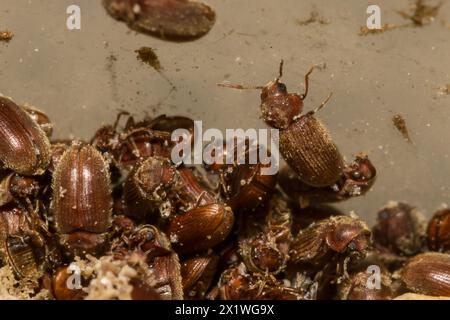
(24, 146)
(81, 201)
(428, 273)
(335, 235)
(197, 274)
(438, 231)
(308, 148)
(200, 228)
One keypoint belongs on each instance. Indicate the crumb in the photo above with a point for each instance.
(147, 55)
(444, 90)
(313, 17)
(400, 124)
(6, 35)
(422, 14)
(386, 27)
(13, 289)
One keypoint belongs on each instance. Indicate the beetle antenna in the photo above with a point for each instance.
(303, 96)
(321, 105)
(239, 86)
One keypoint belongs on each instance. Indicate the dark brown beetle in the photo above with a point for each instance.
(211, 219)
(25, 147)
(21, 245)
(147, 186)
(304, 141)
(245, 186)
(355, 287)
(265, 240)
(167, 19)
(236, 284)
(338, 236)
(400, 230)
(81, 201)
(197, 274)
(161, 259)
(428, 273)
(135, 143)
(438, 231)
(357, 178)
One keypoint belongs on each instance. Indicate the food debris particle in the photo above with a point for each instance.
(400, 124)
(147, 55)
(422, 13)
(444, 90)
(363, 31)
(313, 17)
(6, 35)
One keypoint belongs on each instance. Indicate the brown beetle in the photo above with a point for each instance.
(245, 186)
(211, 219)
(341, 236)
(355, 287)
(304, 141)
(400, 230)
(81, 201)
(21, 245)
(357, 178)
(162, 260)
(25, 147)
(438, 231)
(60, 287)
(236, 284)
(167, 19)
(135, 143)
(197, 274)
(264, 245)
(147, 186)
(428, 273)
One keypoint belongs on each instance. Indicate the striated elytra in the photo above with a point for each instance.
(200, 228)
(308, 148)
(428, 273)
(24, 146)
(82, 200)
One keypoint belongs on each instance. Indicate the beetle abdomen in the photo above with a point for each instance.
(308, 148)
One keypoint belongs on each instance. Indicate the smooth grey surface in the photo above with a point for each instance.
(68, 74)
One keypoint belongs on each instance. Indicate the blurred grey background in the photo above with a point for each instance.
(71, 76)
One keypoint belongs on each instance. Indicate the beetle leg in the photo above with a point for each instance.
(324, 102)
(119, 116)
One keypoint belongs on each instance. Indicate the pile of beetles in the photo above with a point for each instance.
(218, 231)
